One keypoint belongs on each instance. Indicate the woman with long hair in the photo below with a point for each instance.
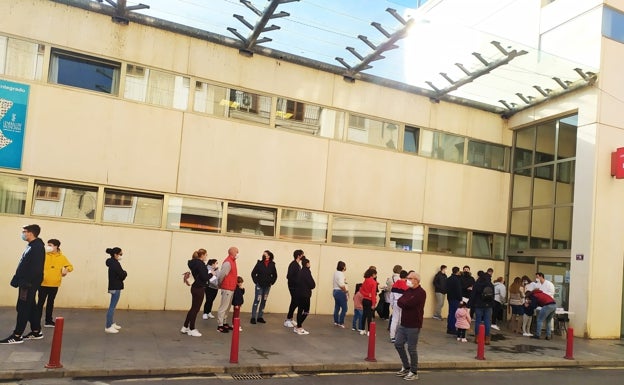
(116, 277)
(369, 298)
(197, 265)
(341, 293)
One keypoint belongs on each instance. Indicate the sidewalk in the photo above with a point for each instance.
(150, 343)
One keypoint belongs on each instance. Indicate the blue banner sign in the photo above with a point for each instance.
(13, 108)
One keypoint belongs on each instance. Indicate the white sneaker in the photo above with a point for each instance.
(527, 334)
(410, 376)
(495, 327)
(289, 323)
(116, 326)
(184, 330)
(295, 330)
(205, 316)
(194, 333)
(458, 339)
(210, 315)
(362, 332)
(111, 330)
(302, 332)
(464, 340)
(240, 328)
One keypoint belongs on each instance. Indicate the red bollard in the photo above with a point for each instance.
(481, 343)
(371, 343)
(235, 340)
(57, 341)
(570, 344)
(236, 312)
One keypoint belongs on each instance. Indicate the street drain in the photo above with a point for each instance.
(249, 376)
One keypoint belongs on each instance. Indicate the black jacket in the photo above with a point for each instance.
(305, 283)
(263, 275)
(238, 296)
(293, 274)
(200, 273)
(439, 282)
(29, 272)
(116, 274)
(454, 288)
(476, 301)
(467, 281)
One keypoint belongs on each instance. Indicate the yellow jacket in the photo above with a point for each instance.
(53, 268)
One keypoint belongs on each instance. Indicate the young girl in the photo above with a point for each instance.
(462, 321)
(237, 298)
(357, 309)
(116, 276)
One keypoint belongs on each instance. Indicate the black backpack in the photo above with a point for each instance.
(487, 295)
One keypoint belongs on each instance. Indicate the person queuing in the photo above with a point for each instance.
(228, 275)
(201, 277)
(293, 273)
(412, 304)
(439, 284)
(27, 279)
(264, 275)
(116, 277)
(454, 297)
(55, 268)
(303, 293)
(341, 294)
(212, 289)
(369, 296)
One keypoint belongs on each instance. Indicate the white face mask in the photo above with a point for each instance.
(49, 249)
(410, 283)
(119, 258)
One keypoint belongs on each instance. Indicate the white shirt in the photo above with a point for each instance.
(546, 287)
(339, 280)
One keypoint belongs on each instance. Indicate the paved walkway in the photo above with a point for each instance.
(150, 343)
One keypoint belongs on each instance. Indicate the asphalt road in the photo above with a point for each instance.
(576, 376)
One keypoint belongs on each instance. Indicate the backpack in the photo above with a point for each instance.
(487, 295)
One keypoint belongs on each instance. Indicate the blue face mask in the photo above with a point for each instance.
(23, 236)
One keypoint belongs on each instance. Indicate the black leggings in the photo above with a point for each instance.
(197, 295)
(368, 312)
(303, 309)
(211, 294)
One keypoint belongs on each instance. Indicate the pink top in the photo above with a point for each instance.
(462, 317)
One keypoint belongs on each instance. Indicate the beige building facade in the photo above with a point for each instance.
(188, 144)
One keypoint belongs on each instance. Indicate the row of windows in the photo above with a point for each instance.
(25, 59)
(99, 204)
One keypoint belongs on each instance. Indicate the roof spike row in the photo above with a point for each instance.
(541, 91)
(461, 67)
(504, 103)
(394, 13)
(445, 76)
(380, 29)
(261, 25)
(121, 10)
(560, 82)
(481, 59)
(366, 41)
(518, 94)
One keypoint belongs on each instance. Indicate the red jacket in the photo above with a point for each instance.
(542, 298)
(369, 290)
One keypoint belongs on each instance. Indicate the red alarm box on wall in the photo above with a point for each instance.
(617, 163)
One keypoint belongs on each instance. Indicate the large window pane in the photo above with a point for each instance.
(131, 207)
(565, 182)
(309, 119)
(613, 24)
(303, 225)
(519, 232)
(563, 228)
(541, 227)
(208, 99)
(21, 58)
(521, 191)
(358, 232)
(482, 244)
(374, 132)
(545, 142)
(251, 220)
(406, 237)
(194, 214)
(443, 146)
(523, 151)
(499, 247)
(62, 200)
(156, 87)
(248, 106)
(87, 72)
(13, 194)
(487, 155)
(543, 188)
(447, 241)
(567, 137)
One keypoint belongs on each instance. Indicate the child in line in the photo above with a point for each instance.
(462, 321)
(237, 298)
(358, 310)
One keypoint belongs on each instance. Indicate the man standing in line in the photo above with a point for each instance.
(439, 283)
(292, 276)
(228, 276)
(454, 297)
(412, 304)
(27, 279)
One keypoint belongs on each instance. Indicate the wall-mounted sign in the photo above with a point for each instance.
(13, 108)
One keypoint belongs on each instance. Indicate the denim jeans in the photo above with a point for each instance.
(260, 297)
(115, 294)
(357, 319)
(410, 336)
(545, 314)
(450, 320)
(483, 315)
(340, 306)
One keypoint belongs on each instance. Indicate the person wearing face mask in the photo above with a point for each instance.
(264, 275)
(211, 289)
(55, 268)
(27, 279)
(412, 304)
(201, 279)
(116, 277)
(228, 275)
